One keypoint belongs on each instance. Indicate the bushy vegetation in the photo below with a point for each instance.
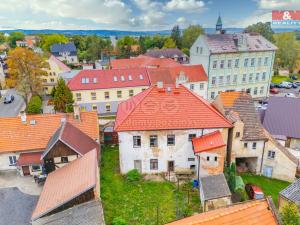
(119, 221)
(289, 214)
(133, 175)
(35, 105)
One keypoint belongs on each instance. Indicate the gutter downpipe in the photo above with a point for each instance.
(262, 158)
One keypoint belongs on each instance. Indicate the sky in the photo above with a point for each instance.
(135, 15)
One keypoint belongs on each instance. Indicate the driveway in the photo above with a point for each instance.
(24, 184)
(13, 109)
(16, 207)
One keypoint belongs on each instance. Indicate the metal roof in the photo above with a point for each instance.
(292, 192)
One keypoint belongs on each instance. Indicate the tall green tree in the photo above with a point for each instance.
(48, 40)
(63, 97)
(2, 38)
(169, 43)
(287, 53)
(124, 45)
(176, 36)
(289, 214)
(190, 34)
(263, 28)
(96, 46)
(13, 37)
(35, 105)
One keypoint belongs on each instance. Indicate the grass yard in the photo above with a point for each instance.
(269, 186)
(279, 79)
(138, 202)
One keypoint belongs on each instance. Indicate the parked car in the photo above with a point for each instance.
(254, 192)
(286, 84)
(297, 83)
(290, 95)
(294, 85)
(278, 86)
(274, 91)
(294, 77)
(9, 98)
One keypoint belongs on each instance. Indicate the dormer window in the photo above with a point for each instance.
(94, 80)
(141, 77)
(115, 78)
(85, 80)
(129, 77)
(122, 78)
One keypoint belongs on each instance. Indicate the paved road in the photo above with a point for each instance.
(12, 109)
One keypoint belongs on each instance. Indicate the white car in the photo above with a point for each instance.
(286, 84)
(290, 95)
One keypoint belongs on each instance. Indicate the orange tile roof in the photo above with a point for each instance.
(160, 109)
(208, 142)
(66, 183)
(228, 98)
(18, 137)
(257, 212)
(32, 158)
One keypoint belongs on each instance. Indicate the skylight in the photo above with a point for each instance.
(115, 78)
(141, 77)
(129, 77)
(122, 78)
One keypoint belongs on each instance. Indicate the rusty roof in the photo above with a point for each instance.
(208, 142)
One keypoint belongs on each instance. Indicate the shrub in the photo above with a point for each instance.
(133, 175)
(243, 194)
(35, 105)
(119, 221)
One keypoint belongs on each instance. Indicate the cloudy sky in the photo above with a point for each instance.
(135, 14)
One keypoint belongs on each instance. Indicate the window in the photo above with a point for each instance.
(236, 63)
(85, 80)
(228, 79)
(153, 164)
(106, 95)
(201, 86)
(197, 49)
(94, 108)
(191, 136)
(220, 80)
(215, 64)
(271, 154)
(12, 160)
(254, 145)
(212, 95)
(263, 76)
(153, 141)
(93, 96)
(122, 78)
(143, 89)
(207, 158)
(130, 92)
(259, 61)
(246, 62)
(257, 77)
(64, 159)
(229, 63)
(191, 159)
(201, 50)
(141, 77)
(137, 141)
(54, 73)
(119, 94)
(171, 139)
(50, 73)
(107, 108)
(213, 80)
(45, 80)
(192, 86)
(235, 78)
(216, 158)
(245, 145)
(222, 64)
(52, 80)
(115, 78)
(244, 78)
(78, 96)
(248, 90)
(129, 77)
(250, 77)
(237, 134)
(255, 91)
(94, 80)
(261, 91)
(35, 168)
(252, 62)
(266, 61)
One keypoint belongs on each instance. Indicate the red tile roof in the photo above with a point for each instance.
(32, 158)
(66, 183)
(163, 109)
(19, 137)
(194, 73)
(142, 62)
(256, 212)
(208, 142)
(105, 79)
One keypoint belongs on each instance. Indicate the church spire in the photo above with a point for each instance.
(219, 24)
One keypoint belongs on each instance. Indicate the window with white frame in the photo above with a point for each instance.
(141, 77)
(171, 139)
(257, 77)
(234, 78)
(115, 78)
(106, 95)
(229, 63)
(137, 141)
(197, 49)
(78, 96)
(107, 108)
(261, 91)
(228, 79)
(129, 77)
(93, 96)
(191, 136)
(252, 62)
(244, 78)
(250, 77)
(84, 80)
(255, 90)
(153, 141)
(153, 164)
(215, 63)
(130, 93)
(266, 61)
(246, 62)
(201, 86)
(119, 94)
(94, 108)
(263, 76)
(12, 160)
(213, 80)
(122, 78)
(95, 80)
(259, 61)
(254, 145)
(221, 80)
(271, 154)
(222, 64)
(201, 50)
(192, 86)
(212, 95)
(35, 168)
(236, 63)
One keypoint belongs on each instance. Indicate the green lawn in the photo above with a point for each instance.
(270, 187)
(139, 202)
(279, 79)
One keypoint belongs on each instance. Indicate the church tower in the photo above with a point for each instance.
(219, 25)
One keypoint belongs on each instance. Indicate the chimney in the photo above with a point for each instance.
(76, 110)
(23, 117)
(160, 84)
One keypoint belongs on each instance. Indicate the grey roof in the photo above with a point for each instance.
(292, 192)
(15, 206)
(68, 47)
(282, 117)
(214, 186)
(225, 43)
(68, 75)
(166, 53)
(88, 213)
